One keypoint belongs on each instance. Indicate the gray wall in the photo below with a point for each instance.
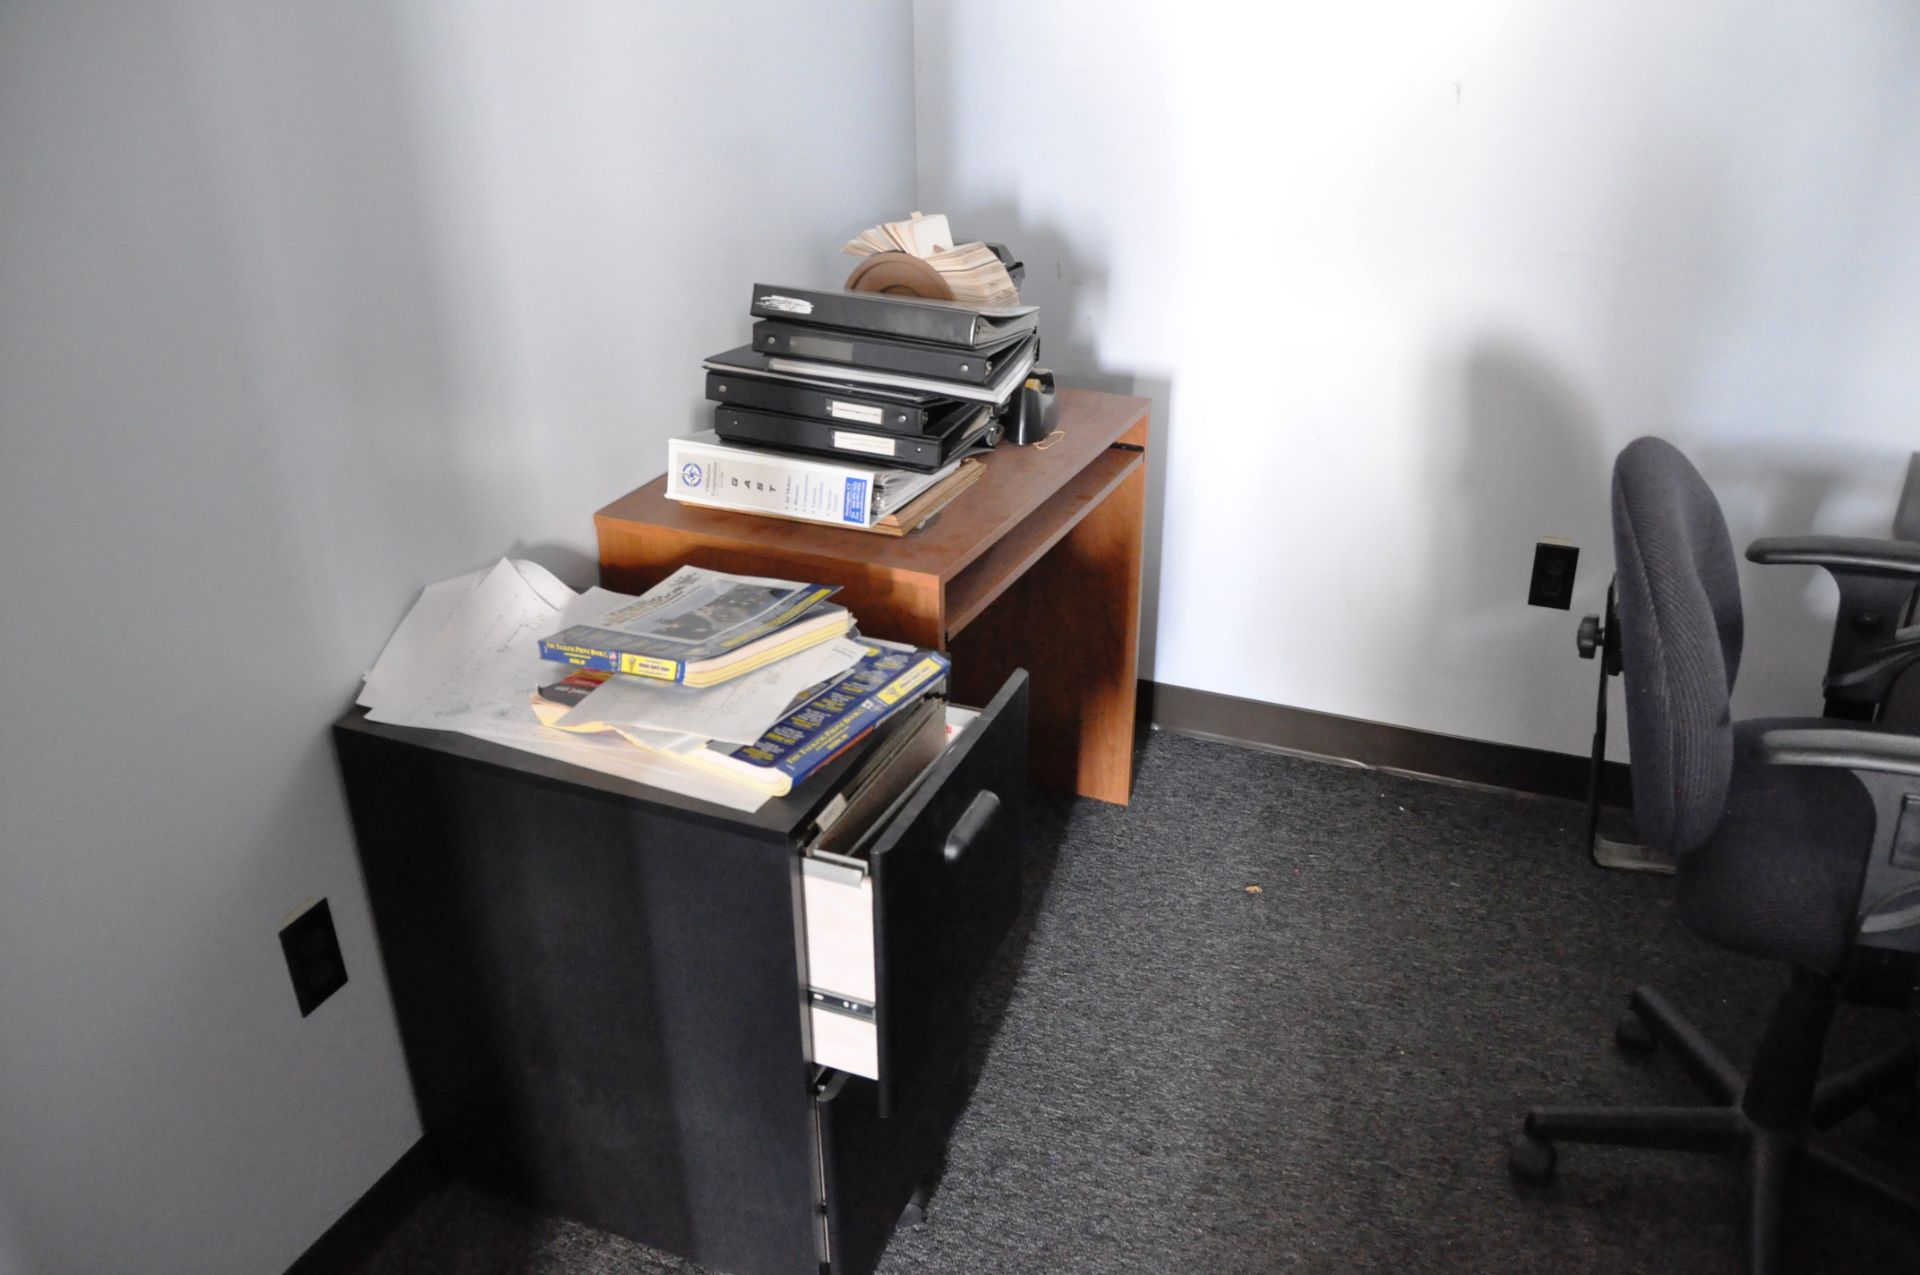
(301, 307)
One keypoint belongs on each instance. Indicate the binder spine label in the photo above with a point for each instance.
(847, 440)
(860, 413)
(769, 482)
(815, 347)
(855, 510)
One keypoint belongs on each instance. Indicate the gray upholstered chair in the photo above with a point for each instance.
(1875, 643)
(1797, 841)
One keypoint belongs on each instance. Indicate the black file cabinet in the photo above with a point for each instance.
(603, 988)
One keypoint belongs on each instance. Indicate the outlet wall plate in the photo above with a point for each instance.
(312, 950)
(1554, 561)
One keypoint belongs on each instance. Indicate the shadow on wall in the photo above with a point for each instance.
(1709, 364)
(1524, 449)
(1071, 292)
(1524, 445)
(1519, 446)
(1516, 450)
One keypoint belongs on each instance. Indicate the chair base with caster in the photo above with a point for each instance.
(1776, 1118)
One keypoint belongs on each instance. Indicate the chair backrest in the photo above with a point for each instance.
(1680, 634)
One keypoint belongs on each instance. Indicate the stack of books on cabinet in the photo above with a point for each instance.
(758, 681)
(732, 689)
(856, 409)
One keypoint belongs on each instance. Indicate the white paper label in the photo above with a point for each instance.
(786, 305)
(855, 412)
(852, 442)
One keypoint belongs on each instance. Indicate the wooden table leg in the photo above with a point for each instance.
(1073, 622)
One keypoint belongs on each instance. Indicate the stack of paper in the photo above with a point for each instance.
(465, 656)
(920, 235)
(973, 274)
(477, 654)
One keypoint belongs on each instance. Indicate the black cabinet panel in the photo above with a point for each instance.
(946, 887)
(598, 1004)
(874, 1164)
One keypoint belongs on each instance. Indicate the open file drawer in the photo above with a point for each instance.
(899, 930)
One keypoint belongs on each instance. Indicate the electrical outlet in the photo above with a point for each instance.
(313, 956)
(1554, 561)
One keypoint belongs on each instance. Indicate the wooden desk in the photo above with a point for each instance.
(1036, 566)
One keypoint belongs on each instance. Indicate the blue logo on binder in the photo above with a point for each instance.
(690, 474)
(856, 506)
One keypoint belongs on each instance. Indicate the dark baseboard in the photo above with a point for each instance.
(1256, 724)
(361, 1231)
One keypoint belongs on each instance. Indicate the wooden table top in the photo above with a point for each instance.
(1017, 482)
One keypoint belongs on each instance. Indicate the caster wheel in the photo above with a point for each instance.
(1632, 1035)
(916, 1211)
(1530, 1160)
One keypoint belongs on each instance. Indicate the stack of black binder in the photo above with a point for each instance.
(898, 381)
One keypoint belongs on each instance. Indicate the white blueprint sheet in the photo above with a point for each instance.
(467, 656)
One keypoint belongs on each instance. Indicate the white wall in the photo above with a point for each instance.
(1402, 277)
(301, 307)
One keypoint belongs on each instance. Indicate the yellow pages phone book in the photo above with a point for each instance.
(700, 627)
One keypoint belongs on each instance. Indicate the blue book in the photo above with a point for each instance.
(823, 724)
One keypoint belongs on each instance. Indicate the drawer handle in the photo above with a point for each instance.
(979, 816)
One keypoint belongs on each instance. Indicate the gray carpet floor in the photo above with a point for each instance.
(1180, 1072)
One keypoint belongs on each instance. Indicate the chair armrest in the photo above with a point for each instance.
(1879, 752)
(1877, 580)
(1851, 555)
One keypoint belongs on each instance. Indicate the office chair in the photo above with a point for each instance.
(1797, 841)
(1872, 645)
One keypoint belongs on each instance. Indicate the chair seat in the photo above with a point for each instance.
(1781, 874)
